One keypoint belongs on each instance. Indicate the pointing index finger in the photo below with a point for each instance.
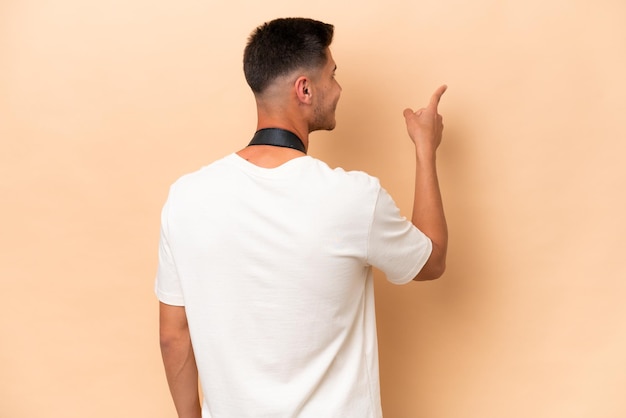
(434, 100)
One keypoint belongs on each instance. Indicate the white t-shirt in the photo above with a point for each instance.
(273, 267)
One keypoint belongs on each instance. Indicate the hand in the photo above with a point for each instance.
(426, 125)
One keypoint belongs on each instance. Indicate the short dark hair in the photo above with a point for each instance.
(283, 45)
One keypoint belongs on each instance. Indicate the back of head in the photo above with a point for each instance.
(284, 45)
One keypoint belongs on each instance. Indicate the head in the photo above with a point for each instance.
(283, 46)
(293, 54)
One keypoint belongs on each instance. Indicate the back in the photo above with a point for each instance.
(273, 267)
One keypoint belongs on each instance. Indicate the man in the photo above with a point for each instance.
(265, 259)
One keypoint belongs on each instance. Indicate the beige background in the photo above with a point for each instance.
(104, 104)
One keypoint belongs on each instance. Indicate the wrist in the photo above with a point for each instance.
(425, 157)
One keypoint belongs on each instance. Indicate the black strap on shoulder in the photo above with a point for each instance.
(279, 138)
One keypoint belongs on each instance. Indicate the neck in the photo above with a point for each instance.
(278, 137)
(301, 132)
(283, 117)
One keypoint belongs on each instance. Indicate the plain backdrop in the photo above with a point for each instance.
(104, 104)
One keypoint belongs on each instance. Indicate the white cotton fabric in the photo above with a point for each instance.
(274, 268)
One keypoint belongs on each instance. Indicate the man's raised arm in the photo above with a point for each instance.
(425, 127)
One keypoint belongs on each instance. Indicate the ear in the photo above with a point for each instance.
(303, 89)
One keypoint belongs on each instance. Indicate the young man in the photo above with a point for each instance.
(265, 259)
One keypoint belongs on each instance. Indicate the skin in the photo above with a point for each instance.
(303, 102)
(425, 127)
(179, 360)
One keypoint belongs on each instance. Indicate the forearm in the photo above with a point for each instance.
(429, 217)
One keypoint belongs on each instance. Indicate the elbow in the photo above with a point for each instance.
(435, 266)
(431, 272)
(439, 270)
(172, 341)
(166, 342)
(175, 347)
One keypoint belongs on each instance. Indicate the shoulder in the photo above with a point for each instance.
(351, 179)
(197, 185)
(203, 174)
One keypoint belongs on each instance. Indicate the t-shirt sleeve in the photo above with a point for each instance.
(396, 246)
(167, 284)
